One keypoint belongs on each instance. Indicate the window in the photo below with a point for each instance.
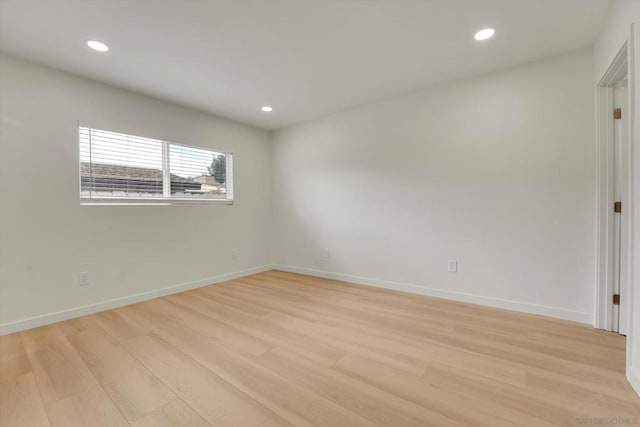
(120, 168)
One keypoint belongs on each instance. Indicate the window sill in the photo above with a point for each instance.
(152, 202)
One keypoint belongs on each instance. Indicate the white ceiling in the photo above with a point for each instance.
(306, 58)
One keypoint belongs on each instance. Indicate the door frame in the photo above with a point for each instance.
(620, 67)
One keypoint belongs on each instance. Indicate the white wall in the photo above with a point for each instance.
(623, 25)
(496, 172)
(47, 237)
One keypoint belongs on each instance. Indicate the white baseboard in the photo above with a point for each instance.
(45, 319)
(32, 322)
(557, 312)
(633, 375)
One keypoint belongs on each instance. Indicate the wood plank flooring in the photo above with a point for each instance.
(282, 349)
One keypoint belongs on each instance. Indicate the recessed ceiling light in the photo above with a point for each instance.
(96, 45)
(267, 108)
(485, 34)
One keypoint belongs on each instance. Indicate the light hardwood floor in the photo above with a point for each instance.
(281, 349)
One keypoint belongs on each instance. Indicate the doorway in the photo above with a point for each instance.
(614, 197)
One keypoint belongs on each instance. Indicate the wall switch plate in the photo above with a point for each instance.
(326, 253)
(234, 253)
(83, 278)
(452, 266)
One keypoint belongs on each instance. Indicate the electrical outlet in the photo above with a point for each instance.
(234, 253)
(83, 278)
(326, 254)
(453, 266)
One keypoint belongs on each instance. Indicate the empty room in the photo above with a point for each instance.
(319, 213)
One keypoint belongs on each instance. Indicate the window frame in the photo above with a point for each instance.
(166, 198)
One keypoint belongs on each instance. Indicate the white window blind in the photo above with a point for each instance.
(122, 168)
